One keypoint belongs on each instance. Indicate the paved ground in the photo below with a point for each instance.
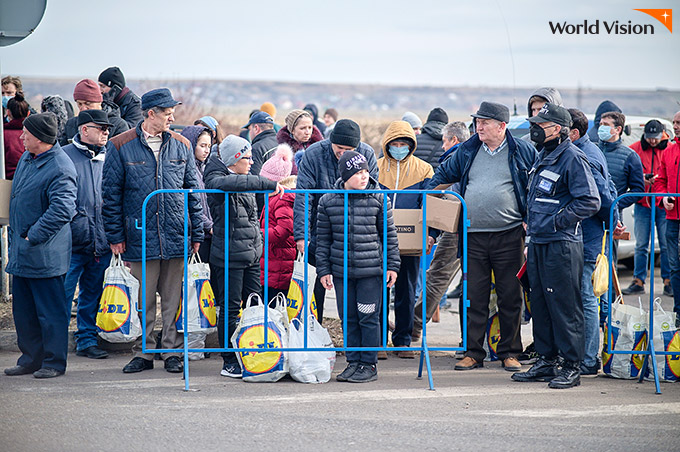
(97, 407)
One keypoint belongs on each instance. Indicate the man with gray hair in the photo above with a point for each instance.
(493, 170)
(147, 158)
(445, 262)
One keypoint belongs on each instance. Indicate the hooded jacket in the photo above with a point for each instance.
(192, 133)
(549, 94)
(319, 170)
(315, 117)
(364, 234)
(118, 125)
(651, 160)
(411, 173)
(429, 146)
(245, 238)
(129, 103)
(604, 107)
(87, 226)
(282, 249)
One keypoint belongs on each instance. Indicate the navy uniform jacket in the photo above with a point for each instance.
(562, 193)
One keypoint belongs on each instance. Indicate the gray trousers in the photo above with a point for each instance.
(445, 264)
(164, 277)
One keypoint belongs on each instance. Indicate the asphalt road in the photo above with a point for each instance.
(97, 407)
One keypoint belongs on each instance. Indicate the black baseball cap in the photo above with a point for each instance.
(654, 130)
(552, 113)
(96, 116)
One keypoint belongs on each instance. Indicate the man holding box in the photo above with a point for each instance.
(493, 170)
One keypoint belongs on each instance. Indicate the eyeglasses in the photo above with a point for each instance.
(102, 128)
(247, 157)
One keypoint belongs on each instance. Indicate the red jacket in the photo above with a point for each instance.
(668, 180)
(282, 248)
(14, 147)
(651, 162)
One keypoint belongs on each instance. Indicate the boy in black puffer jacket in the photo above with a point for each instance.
(364, 260)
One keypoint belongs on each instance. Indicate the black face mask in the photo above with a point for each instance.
(537, 134)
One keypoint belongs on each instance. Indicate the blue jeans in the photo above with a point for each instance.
(363, 309)
(87, 271)
(672, 227)
(591, 316)
(643, 226)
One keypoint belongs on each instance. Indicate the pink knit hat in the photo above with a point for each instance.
(87, 90)
(280, 165)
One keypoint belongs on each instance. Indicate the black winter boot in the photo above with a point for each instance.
(543, 370)
(568, 376)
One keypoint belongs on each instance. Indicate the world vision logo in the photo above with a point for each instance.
(664, 16)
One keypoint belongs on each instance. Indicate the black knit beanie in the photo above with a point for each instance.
(112, 76)
(43, 126)
(439, 115)
(346, 133)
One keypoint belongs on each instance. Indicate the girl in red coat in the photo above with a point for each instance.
(17, 111)
(281, 243)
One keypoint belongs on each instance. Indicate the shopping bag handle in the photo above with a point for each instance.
(195, 259)
(116, 261)
(250, 297)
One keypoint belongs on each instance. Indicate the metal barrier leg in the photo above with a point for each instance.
(652, 355)
(426, 352)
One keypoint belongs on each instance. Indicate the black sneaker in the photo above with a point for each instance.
(93, 352)
(174, 365)
(364, 374)
(529, 355)
(590, 370)
(138, 364)
(232, 370)
(636, 287)
(348, 372)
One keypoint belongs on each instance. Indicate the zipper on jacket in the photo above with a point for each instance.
(396, 184)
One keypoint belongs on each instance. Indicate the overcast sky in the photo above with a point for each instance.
(416, 42)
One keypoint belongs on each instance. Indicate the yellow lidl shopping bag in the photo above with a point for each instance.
(202, 316)
(295, 298)
(117, 317)
(261, 366)
(666, 339)
(629, 333)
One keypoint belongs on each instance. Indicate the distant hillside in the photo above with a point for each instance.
(369, 100)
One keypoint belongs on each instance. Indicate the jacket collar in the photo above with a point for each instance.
(45, 157)
(90, 151)
(546, 159)
(447, 153)
(264, 134)
(583, 141)
(142, 136)
(609, 146)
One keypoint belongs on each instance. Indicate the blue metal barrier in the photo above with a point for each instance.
(650, 353)
(424, 348)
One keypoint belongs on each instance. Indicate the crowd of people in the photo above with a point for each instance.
(79, 182)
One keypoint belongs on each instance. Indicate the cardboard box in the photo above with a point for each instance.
(443, 211)
(409, 224)
(5, 192)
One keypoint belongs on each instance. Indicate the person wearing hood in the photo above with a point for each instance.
(363, 241)
(299, 133)
(113, 88)
(400, 169)
(538, 99)
(604, 107)
(429, 146)
(562, 193)
(57, 105)
(212, 124)
(90, 255)
(330, 117)
(88, 97)
(314, 111)
(668, 181)
(650, 148)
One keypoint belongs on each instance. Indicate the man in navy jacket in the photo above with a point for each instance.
(42, 204)
(91, 254)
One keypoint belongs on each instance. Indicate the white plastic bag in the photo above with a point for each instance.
(200, 300)
(629, 333)
(261, 366)
(666, 339)
(295, 291)
(117, 317)
(310, 366)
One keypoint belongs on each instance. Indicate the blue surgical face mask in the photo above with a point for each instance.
(604, 133)
(5, 99)
(399, 152)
